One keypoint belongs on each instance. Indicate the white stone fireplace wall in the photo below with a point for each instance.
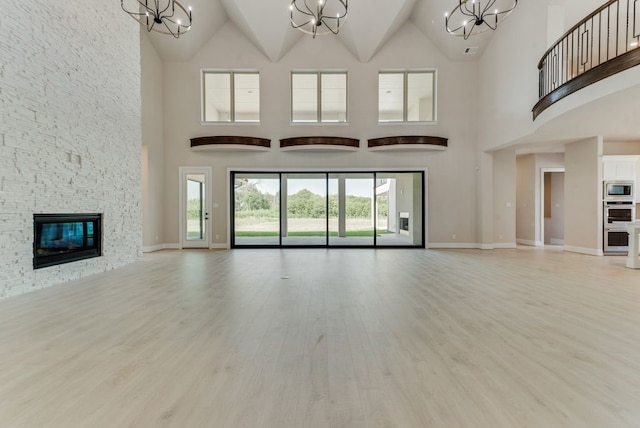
(69, 132)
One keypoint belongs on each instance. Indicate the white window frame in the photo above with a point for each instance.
(319, 75)
(232, 109)
(405, 96)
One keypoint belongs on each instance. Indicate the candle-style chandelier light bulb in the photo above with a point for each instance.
(323, 17)
(162, 16)
(472, 17)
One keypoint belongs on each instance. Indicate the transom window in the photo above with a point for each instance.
(230, 96)
(407, 96)
(319, 96)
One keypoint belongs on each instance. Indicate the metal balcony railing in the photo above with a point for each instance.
(604, 43)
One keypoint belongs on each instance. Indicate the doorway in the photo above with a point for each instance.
(195, 207)
(552, 206)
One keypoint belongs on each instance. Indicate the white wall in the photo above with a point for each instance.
(69, 132)
(153, 145)
(621, 148)
(526, 228)
(509, 75)
(452, 172)
(583, 196)
(504, 199)
(576, 11)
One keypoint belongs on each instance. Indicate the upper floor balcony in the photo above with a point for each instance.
(604, 43)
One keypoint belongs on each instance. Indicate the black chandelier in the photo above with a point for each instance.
(323, 17)
(472, 17)
(163, 16)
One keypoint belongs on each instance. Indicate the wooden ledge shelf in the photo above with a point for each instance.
(408, 143)
(230, 143)
(320, 144)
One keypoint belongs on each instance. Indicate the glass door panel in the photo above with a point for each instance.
(304, 210)
(256, 209)
(195, 215)
(195, 205)
(351, 204)
(399, 209)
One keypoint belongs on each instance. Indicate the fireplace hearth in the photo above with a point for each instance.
(64, 238)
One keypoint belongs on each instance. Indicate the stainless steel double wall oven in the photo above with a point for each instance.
(619, 209)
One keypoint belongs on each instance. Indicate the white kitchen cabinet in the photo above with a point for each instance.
(619, 168)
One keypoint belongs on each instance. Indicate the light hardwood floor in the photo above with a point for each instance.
(329, 338)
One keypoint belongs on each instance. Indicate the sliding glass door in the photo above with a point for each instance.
(327, 209)
(304, 209)
(256, 209)
(351, 202)
(400, 209)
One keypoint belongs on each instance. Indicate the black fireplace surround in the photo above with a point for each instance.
(64, 238)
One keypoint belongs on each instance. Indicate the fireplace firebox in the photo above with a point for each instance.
(64, 238)
(404, 223)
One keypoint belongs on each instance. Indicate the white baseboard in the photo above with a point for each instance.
(505, 245)
(582, 250)
(530, 243)
(452, 245)
(472, 246)
(556, 241)
(159, 247)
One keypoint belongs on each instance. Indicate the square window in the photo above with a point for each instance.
(318, 96)
(406, 96)
(230, 96)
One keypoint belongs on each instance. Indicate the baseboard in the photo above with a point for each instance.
(582, 250)
(452, 245)
(160, 247)
(556, 241)
(505, 245)
(528, 242)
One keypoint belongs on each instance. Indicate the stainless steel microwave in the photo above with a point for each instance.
(619, 190)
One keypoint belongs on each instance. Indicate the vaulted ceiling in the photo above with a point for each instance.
(370, 24)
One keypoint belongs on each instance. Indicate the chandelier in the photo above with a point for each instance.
(163, 16)
(475, 16)
(322, 17)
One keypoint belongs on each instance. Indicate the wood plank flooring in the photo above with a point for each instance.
(329, 338)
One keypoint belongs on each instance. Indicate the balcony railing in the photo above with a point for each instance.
(604, 43)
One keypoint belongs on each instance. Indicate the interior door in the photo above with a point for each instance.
(195, 207)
